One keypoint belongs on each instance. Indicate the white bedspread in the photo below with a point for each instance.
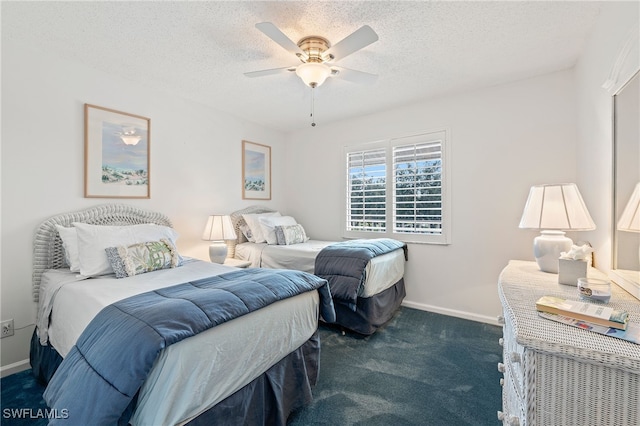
(381, 272)
(301, 257)
(193, 375)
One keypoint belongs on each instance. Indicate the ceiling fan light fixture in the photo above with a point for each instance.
(313, 73)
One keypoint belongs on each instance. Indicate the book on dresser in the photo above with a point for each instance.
(631, 334)
(590, 312)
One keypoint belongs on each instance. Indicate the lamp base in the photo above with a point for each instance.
(547, 248)
(218, 252)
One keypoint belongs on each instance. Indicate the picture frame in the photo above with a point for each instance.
(256, 171)
(116, 154)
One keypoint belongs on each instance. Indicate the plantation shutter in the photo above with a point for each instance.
(399, 188)
(417, 189)
(366, 190)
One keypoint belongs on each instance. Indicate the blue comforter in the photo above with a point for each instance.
(100, 376)
(343, 265)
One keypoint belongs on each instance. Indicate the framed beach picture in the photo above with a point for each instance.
(256, 171)
(116, 154)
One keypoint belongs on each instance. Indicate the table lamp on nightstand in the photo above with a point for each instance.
(554, 209)
(219, 229)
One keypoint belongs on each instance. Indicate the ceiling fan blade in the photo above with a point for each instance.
(279, 37)
(272, 71)
(355, 76)
(360, 38)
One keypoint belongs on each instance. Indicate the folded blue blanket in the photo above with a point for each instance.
(103, 372)
(343, 265)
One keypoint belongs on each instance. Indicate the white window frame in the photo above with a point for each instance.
(444, 237)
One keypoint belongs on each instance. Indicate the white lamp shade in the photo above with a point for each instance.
(554, 209)
(313, 73)
(630, 218)
(219, 228)
(556, 206)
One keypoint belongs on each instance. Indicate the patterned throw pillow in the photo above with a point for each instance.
(140, 258)
(290, 234)
(246, 231)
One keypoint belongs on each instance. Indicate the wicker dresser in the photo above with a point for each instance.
(558, 375)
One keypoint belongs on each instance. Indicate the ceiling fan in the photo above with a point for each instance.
(318, 55)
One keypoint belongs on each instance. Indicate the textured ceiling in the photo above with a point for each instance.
(200, 50)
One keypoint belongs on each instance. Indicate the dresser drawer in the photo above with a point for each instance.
(513, 359)
(513, 406)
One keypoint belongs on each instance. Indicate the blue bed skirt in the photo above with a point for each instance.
(267, 400)
(371, 312)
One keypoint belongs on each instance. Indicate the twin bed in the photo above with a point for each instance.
(231, 373)
(379, 285)
(211, 361)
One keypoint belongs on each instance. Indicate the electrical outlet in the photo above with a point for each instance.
(7, 328)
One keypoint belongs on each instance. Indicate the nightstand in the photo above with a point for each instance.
(238, 263)
(555, 374)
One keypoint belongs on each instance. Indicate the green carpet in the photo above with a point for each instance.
(420, 369)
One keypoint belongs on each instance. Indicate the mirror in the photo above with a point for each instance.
(626, 176)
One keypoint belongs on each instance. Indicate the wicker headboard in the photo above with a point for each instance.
(238, 220)
(47, 245)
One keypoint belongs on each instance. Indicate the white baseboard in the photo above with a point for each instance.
(452, 313)
(16, 367)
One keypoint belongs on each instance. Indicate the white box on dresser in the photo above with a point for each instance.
(558, 375)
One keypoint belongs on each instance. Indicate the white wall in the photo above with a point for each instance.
(594, 153)
(195, 163)
(503, 140)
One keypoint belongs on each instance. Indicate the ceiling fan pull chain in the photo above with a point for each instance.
(313, 121)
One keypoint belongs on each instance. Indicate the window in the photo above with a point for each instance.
(398, 189)
(367, 190)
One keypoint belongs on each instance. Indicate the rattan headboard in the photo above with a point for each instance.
(47, 245)
(238, 220)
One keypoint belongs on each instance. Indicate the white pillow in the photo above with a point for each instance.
(254, 224)
(269, 224)
(69, 237)
(93, 239)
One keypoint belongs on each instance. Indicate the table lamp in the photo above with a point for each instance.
(553, 209)
(630, 217)
(218, 230)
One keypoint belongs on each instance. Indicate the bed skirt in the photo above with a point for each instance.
(371, 312)
(267, 400)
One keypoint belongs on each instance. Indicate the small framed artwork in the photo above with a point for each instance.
(256, 171)
(116, 154)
